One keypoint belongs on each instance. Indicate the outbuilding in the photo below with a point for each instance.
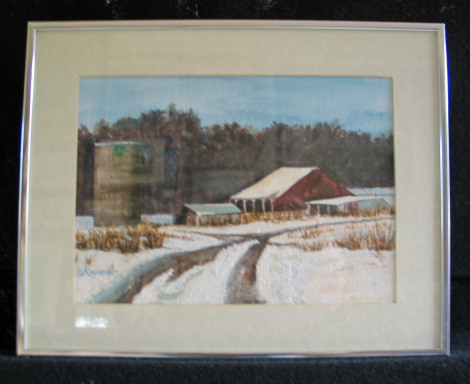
(345, 204)
(210, 214)
(288, 188)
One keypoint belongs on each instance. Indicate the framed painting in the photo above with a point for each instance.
(234, 188)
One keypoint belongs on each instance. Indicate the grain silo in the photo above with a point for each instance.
(126, 176)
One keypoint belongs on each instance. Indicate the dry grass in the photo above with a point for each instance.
(178, 236)
(307, 233)
(317, 245)
(272, 216)
(367, 213)
(215, 221)
(352, 241)
(312, 233)
(381, 236)
(127, 240)
(378, 236)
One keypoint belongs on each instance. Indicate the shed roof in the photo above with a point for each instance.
(213, 209)
(345, 200)
(275, 184)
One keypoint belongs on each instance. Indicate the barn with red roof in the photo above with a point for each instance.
(288, 188)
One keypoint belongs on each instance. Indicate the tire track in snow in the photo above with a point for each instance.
(125, 291)
(202, 284)
(242, 282)
(241, 287)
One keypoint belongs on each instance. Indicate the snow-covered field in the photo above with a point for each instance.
(285, 272)
(330, 276)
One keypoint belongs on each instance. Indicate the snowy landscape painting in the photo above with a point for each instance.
(235, 190)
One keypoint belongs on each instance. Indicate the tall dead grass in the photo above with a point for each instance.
(307, 234)
(367, 212)
(314, 246)
(379, 236)
(279, 216)
(126, 240)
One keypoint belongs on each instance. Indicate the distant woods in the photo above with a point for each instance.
(354, 159)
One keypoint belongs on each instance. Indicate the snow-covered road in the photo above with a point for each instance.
(223, 265)
(202, 284)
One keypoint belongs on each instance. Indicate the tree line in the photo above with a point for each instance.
(355, 159)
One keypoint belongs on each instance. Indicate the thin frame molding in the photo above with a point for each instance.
(25, 158)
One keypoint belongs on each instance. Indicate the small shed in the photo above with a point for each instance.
(210, 214)
(343, 204)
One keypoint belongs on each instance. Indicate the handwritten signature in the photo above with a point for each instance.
(94, 272)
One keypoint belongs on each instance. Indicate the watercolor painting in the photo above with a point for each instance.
(235, 190)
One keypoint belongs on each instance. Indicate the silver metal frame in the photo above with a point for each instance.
(26, 144)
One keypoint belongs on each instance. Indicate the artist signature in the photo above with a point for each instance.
(94, 272)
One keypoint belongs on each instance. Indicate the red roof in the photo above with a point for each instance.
(290, 188)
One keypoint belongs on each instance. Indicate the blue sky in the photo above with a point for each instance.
(357, 103)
